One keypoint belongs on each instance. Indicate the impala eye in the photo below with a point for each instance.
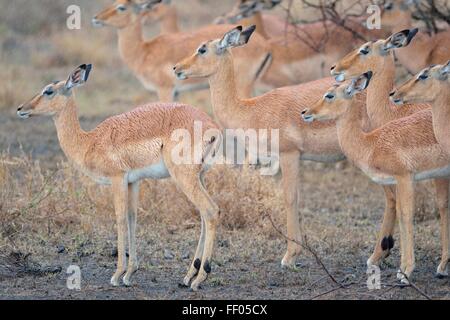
(364, 51)
(121, 8)
(202, 50)
(48, 92)
(423, 76)
(329, 96)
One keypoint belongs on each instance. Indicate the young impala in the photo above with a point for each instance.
(404, 149)
(377, 56)
(152, 61)
(425, 49)
(431, 85)
(277, 109)
(130, 147)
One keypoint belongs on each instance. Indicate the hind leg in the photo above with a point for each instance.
(189, 179)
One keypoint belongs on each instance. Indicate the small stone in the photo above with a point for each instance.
(185, 255)
(60, 249)
(168, 255)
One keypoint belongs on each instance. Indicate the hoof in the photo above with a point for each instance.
(402, 278)
(186, 281)
(441, 274)
(195, 287)
(115, 281)
(288, 263)
(126, 280)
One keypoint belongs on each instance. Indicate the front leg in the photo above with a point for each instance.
(442, 187)
(290, 168)
(120, 195)
(133, 200)
(405, 212)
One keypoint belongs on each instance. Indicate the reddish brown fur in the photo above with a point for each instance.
(152, 60)
(124, 145)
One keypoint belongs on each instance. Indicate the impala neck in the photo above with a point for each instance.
(131, 44)
(72, 138)
(352, 138)
(169, 23)
(379, 107)
(257, 20)
(441, 118)
(225, 101)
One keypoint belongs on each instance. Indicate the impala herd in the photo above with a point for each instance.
(396, 137)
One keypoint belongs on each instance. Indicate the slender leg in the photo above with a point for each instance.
(197, 261)
(385, 241)
(442, 188)
(405, 210)
(290, 168)
(133, 199)
(189, 179)
(120, 193)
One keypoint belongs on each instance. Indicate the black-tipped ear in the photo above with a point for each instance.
(401, 39)
(359, 84)
(230, 39)
(78, 77)
(246, 34)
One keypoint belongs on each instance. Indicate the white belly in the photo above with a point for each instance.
(419, 176)
(155, 171)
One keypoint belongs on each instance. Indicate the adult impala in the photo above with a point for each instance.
(405, 149)
(152, 61)
(377, 56)
(130, 147)
(431, 85)
(277, 109)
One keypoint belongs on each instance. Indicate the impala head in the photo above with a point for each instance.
(208, 58)
(246, 9)
(336, 101)
(425, 86)
(395, 12)
(371, 55)
(123, 13)
(54, 97)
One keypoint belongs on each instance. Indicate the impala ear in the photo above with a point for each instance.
(359, 84)
(400, 39)
(148, 5)
(230, 39)
(444, 71)
(78, 77)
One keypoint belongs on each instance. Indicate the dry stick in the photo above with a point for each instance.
(307, 247)
(415, 287)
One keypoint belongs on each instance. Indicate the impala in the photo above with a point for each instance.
(393, 150)
(377, 56)
(431, 85)
(152, 61)
(130, 147)
(425, 49)
(277, 109)
(301, 52)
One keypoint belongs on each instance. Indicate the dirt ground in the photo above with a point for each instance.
(52, 217)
